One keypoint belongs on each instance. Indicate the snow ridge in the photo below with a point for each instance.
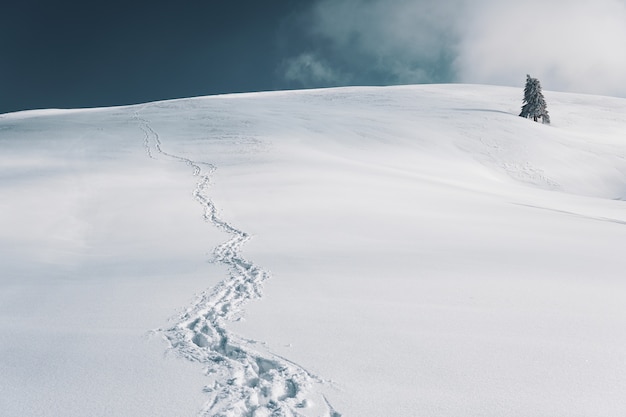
(244, 382)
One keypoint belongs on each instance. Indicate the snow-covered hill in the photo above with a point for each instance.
(400, 251)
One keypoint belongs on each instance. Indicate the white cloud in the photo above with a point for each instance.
(307, 69)
(573, 45)
(570, 45)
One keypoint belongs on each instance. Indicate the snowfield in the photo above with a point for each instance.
(390, 251)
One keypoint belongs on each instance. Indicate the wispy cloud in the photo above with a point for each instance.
(572, 45)
(378, 41)
(307, 69)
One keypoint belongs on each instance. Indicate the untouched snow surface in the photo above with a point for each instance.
(397, 251)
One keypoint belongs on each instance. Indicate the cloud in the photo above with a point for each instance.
(382, 41)
(309, 70)
(570, 45)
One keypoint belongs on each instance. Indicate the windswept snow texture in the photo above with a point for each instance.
(397, 251)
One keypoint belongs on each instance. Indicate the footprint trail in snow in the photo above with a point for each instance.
(243, 381)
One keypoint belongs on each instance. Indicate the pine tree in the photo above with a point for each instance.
(534, 103)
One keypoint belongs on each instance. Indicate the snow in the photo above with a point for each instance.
(410, 250)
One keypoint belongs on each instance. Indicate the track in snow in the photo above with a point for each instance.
(244, 382)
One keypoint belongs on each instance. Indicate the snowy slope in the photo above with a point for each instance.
(414, 250)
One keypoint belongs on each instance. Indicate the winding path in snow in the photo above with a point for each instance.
(243, 381)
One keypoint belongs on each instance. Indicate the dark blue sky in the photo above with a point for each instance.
(83, 54)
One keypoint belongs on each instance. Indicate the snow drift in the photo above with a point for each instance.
(414, 250)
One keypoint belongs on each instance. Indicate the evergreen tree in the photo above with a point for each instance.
(534, 103)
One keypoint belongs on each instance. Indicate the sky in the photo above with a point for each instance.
(69, 54)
